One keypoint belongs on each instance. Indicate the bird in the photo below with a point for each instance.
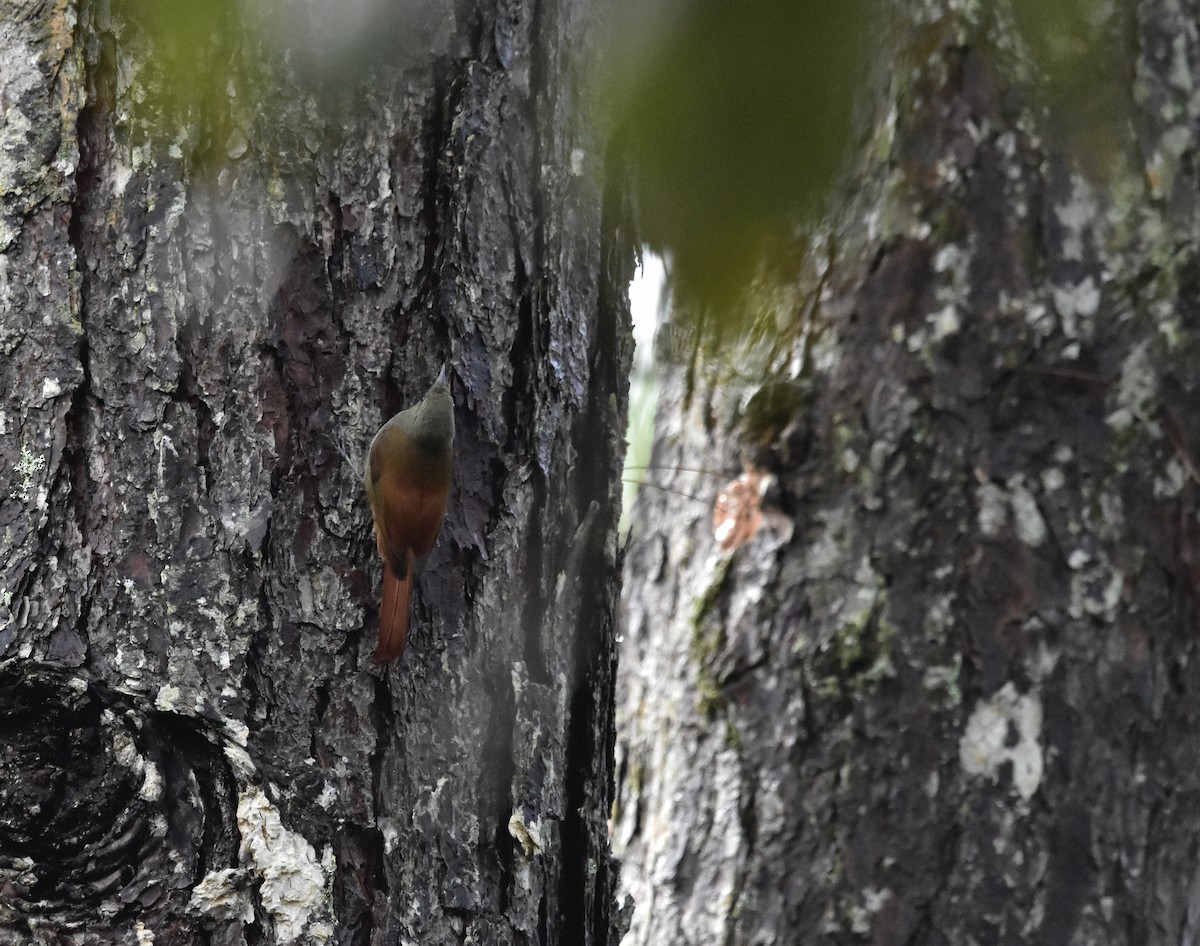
(409, 468)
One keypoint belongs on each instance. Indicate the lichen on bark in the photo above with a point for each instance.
(212, 299)
(960, 703)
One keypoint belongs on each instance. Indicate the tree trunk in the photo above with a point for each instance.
(207, 297)
(949, 692)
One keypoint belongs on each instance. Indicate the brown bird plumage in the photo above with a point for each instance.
(408, 481)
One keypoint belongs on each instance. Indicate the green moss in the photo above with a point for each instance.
(847, 648)
(709, 596)
(733, 738)
(863, 653)
(708, 637)
(709, 698)
(848, 644)
(637, 778)
(827, 688)
(858, 653)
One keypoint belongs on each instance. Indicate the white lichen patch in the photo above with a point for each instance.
(168, 699)
(1165, 163)
(328, 796)
(222, 895)
(1082, 300)
(237, 730)
(1180, 73)
(1037, 315)
(1053, 479)
(526, 833)
(1096, 592)
(26, 468)
(944, 679)
(391, 834)
(291, 881)
(993, 509)
(126, 754)
(996, 505)
(952, 264)
(873, 901)
(945, 322)
(1174, 477)
(862, 599)
(120, 177)
(1041, 663)
(952, 259)
(1076, 216)
(939, 616)
(1031, 527)
(824, 558)
(152, 783)
(240, 761)
(1005, 728)
(1136, 391)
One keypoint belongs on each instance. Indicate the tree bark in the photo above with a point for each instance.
(949, 692)
(207, 299)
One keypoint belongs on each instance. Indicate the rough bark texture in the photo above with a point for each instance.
(950, 693)
(199, 311)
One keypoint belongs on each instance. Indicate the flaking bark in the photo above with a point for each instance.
(201, 310)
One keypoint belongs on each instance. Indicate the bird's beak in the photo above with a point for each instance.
(441, 378)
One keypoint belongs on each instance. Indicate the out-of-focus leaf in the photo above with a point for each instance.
(1084, 51)
(184, 78)
(213, 65)
(738, 117)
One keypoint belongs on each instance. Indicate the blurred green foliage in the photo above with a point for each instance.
(1083, 51)
(738, 116)
(213, 67)
(184, 75)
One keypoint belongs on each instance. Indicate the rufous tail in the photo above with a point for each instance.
(393, 613)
